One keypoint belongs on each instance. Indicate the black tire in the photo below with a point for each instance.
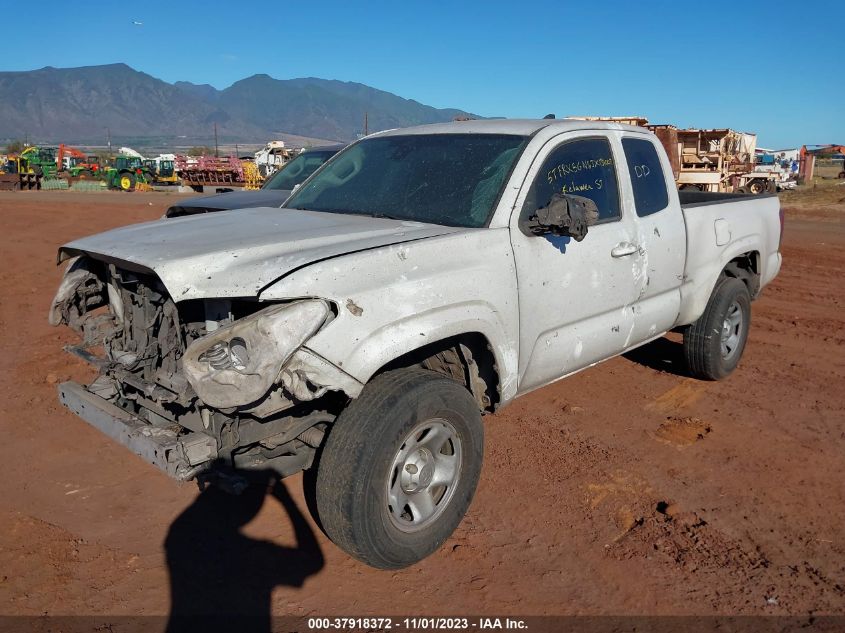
(703, 340)
(360, 467)
(757, 187)
(742, 190)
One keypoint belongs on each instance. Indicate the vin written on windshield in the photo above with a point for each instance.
(450, 179)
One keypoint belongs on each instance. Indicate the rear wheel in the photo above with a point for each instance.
(757, 187)
(714, 344)
(399, 469)
(126, 182)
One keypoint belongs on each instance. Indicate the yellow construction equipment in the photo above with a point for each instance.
(252, 179)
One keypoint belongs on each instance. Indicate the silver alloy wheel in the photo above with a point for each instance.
(731, 331)
(424, 475)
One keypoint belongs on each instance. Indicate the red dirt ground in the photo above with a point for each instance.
(627, 489)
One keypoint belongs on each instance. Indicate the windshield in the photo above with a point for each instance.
(451, 179)
(297, 171)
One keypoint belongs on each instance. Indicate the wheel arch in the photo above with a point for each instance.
(744, 265)
(746, 268)
(467, 358)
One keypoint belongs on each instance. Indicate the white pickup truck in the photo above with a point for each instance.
(420, 279)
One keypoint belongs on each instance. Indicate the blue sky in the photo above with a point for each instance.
(775, 68)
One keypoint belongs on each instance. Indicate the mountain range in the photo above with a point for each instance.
(85, 105)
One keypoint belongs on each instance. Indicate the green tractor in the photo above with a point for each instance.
(28, 169)
(127, 173)
(84, 167)
(40, 161)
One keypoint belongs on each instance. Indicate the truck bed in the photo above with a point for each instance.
(692, 198)
(720, 226)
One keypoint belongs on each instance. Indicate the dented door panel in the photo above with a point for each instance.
(575, 298)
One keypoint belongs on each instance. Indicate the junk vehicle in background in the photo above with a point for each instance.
(717, 160)
(76, 163)
(126, 173)
(162, 170)
(417, 281)
(272, 157)
(784, 164)
(273, 192)
(29, 169)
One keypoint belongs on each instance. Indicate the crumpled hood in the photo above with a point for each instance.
(230, 200)
(238, 253)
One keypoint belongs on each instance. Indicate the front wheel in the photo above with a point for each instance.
(399, 468)
(714, 344)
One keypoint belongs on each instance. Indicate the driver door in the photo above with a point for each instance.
(576, 299)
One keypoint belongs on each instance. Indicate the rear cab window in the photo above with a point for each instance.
(647, 180)
(582, 167)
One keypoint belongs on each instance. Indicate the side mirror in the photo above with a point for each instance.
(565, 214)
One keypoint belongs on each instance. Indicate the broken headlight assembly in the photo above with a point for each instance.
(238, 364)
(233, 354)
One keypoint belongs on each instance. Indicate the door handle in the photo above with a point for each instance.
(623, 249)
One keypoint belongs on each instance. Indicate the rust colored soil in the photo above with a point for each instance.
(628, 488)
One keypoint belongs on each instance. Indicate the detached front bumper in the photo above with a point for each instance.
(180, 456)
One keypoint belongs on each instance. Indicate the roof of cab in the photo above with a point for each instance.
(325, 148)
(521, 127)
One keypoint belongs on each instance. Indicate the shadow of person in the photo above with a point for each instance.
(661, 354)
(221, 579)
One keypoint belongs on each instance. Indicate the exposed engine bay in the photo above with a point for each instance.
(202, 385)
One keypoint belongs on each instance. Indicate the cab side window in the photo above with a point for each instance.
(583, 167)
(647, 181)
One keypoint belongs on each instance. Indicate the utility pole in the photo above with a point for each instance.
(366, 123)
(216, 148)
(108, 136)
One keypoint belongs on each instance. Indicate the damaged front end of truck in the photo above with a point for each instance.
(202, 386)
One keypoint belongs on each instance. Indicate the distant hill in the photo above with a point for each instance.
(78, 105)
(321, 107)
